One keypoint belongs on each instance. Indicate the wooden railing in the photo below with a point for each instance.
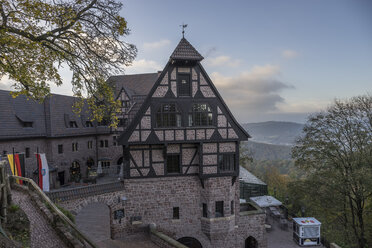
(31, 184)
(84, 191)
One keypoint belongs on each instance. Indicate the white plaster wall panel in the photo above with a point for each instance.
(210, 170)
(157, 156)
(169, 135)
(228, 124)
(145, 135)
(164, 81)
(158, 168)
(187, 155)
(209, 133)
(210, 159)
(202, 80)
(173, 74)
(209, 147)
(194, 74)
(219, 110)
(173, 148)
(160, 91)
(194, 88)
(184, 69)
(223, 132)
(227, 147)
(160, 135)
(137, 157)
(134, 136)
(193, 170)
(132, 164)
(200, 134)
(232, 134)
(190, 134)
(145, 172)
(207, 91)
(134, 173)
(221, 121)
(146, 122)
(148, 111)
(146, 156)
(180, 134)
(174, 88)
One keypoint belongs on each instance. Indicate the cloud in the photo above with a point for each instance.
(223, 61)
(156, 44)
(143, 66)
(253, 92)
(6, 83)
(290, 54)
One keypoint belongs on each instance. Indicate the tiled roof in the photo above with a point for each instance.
(185, 51)
(248, 177)
(137, 84)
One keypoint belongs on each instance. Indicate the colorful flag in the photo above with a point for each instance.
(15, 165)
(43, 171)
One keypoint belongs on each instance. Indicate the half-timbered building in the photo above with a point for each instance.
(181, 157)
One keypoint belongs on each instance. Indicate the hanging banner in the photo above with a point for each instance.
(43, 171)
(15, 166)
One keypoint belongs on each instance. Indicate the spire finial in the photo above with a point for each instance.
(183, 29)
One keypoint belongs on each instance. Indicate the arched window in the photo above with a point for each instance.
(251, 242)
(200, 115)
(168, 115)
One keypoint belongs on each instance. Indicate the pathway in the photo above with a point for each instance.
(42, 234)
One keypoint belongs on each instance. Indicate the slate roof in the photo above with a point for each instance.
(49, 118)
(136, 84)
(185, 51)
(248, 177)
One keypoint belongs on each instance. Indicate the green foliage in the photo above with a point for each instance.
(13, 208)
(37, 38)
(67, 213)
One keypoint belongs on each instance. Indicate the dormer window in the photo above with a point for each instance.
(184, 86)
(73, 124)
(125, 104)
(168, 115)
(88, 124)
(200, 115)
(27, 124)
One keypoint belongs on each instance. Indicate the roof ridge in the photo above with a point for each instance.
(185, 51)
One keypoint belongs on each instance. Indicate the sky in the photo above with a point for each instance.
(269, 59)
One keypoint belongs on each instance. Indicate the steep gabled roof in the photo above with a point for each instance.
(185, 51)
(137, 84)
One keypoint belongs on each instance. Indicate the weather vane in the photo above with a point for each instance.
(183, 29)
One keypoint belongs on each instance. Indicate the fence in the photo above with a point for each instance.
(85, 191)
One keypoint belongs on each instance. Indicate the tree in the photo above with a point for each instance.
(37, 37)
(336, 152)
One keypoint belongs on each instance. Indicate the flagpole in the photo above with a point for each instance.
(38, 166)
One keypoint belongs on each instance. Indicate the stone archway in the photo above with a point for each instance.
(251, 242)
(190, 242)
(94, 221)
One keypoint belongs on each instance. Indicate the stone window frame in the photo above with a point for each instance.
(232, 210)
(172, 116)
(60, 149)
(88, 124)
(75, 146)
(176, 213)
(219, 210)
(73, 124)
(205, 210)
(27, 152)
(194, 112)
(90, 144)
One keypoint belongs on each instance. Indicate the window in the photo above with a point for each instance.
(184, 86)
(114, 140)
(106, 143)
(90, 144)
(173, 164)
(74, 147)
(176, 213)
(200, 115)
(205, 210)
(88, 124)
(27, 152)
(60, 149)
(125, 103)
(103, 143)
(73, 124)
(168, 115)
(226, 162)
(219, 209)
(4, 153)
(105, 164)
(27, 124)
(232, 207)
